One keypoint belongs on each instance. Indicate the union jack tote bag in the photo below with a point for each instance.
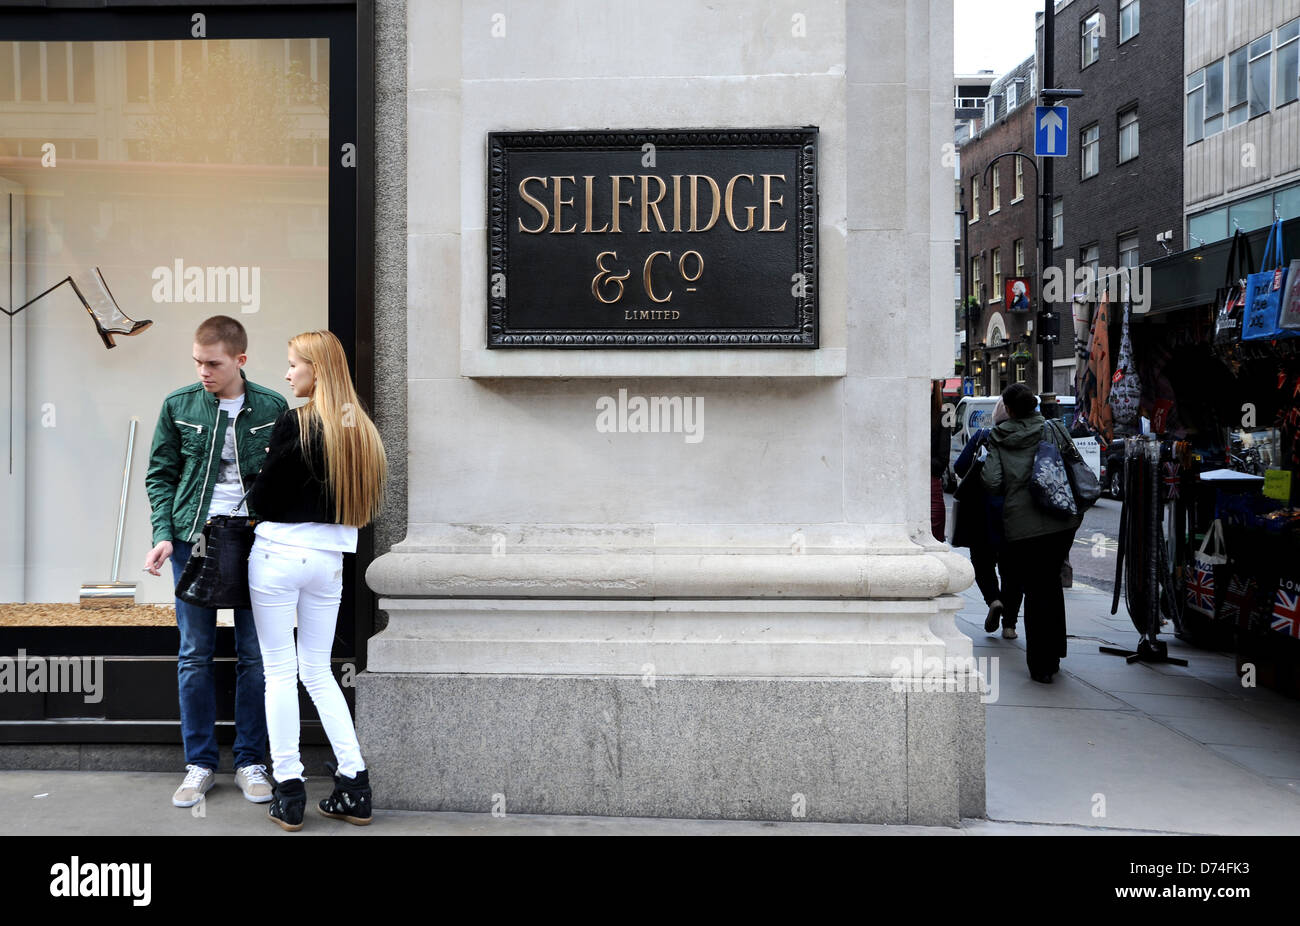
(1200, 578)
(1286, 609)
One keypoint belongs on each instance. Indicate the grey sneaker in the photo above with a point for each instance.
(253, 782)
(995, 612)
(198, 781)
(1009, 632)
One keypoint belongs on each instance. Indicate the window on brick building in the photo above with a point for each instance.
(975, 279)
(1128, 250)
(1128, 20)
(1128, 135)
(975, 199)
(1020, 180)
(1090, 39)
(997, 275)
(1090, 257)
(995, 196)
(1058, 222)
(1090, 151)
(1020, 257)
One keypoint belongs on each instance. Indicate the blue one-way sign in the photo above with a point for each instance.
(1051, 129)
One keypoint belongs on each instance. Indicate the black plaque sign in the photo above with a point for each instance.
(653, 239)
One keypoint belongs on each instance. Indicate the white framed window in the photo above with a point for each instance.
(1012, 95)
(1213, 98)
(1090, 39)
(1260, 75)
(1128, 135)
(1090, 151)
(1128, 250)
(1128, 20)
(1237, 87)
(975, 199)
(996, 192)
(1128, 258)
(990, 111)
(1288, 62)
(1195, 118)
(1058, 222)
(997, 275)
(975, 279)
(1020, 257)
(1020, 180)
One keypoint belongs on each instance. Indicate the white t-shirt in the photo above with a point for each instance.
(229, 488)
(311, 534)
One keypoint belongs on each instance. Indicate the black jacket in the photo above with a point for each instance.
(290, 487)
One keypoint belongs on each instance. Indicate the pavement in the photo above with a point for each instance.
(1108, 748)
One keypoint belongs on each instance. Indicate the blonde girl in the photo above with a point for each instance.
(324, 477)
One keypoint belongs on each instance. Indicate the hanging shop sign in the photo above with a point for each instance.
(677, 239)
(1016, 294)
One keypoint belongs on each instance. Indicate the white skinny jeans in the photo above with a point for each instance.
(284, 580)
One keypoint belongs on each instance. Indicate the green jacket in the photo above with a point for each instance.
(1012, 446)
(186, 453)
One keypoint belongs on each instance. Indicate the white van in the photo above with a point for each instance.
(975, 412)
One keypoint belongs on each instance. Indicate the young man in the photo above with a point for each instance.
(209, 444)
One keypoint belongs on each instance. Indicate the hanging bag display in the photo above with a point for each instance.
(216, 575)
(1264, 293)
(1289, 317)
(1231, 297)
(1199, 583)
(1126, 388)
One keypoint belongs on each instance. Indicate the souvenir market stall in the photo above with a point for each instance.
(1218, 377)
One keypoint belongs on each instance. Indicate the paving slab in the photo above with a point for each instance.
(139, 804)
(1056, 766)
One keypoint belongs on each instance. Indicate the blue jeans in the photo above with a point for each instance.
(196, 682)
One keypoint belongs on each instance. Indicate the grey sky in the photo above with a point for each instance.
(995, 34)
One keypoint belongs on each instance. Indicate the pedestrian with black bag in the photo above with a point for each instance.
(324, 477)
(1035, 467)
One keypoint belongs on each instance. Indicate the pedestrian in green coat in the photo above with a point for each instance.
(1038, 542)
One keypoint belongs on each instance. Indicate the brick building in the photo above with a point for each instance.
(1122, 184)
(1001, 229)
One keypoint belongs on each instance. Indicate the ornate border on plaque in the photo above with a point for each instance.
(803, 334)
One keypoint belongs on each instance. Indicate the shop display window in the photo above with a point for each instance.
(144, 186)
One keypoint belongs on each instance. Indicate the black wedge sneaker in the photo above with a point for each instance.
(288, 801)
(350, 799)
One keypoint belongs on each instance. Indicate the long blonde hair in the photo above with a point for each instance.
(356, 466)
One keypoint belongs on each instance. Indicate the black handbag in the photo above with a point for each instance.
(216, 575)
(1083, 481)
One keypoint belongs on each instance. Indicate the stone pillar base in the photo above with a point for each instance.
(831, 750)
(835, 711)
